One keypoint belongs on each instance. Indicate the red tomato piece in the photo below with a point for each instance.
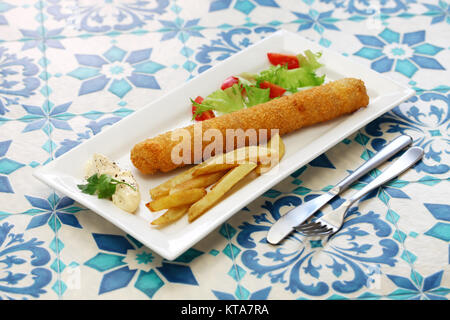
(275, 90)
(229, 82)
(204, 115)
(279, 58)
(199, 100)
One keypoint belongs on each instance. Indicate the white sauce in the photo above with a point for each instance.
(125, 197)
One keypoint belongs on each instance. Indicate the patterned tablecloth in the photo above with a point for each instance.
(69, 69)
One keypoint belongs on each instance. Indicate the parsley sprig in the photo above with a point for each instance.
(104, 185)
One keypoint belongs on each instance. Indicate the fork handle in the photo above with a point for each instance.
(380, 157)
(409, 158)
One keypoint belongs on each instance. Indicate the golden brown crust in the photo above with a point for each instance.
(287, 114)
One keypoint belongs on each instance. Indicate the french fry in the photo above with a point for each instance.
(234, 158)
(213, 196)
(171, 215)
(164, 188)
(176, 199)
(201, 181)
(212, 168)
(245, 154)
(277, 144)
(216, 183)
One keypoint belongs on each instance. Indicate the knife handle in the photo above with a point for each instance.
(380, 157)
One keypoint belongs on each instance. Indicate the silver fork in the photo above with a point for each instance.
(331, 222)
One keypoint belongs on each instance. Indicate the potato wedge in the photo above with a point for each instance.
(213, 196)
(171, 215)
(201, 181)
(164, 188)
(176, 199)
(277, 144)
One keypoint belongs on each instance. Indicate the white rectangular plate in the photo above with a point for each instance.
(173, 110)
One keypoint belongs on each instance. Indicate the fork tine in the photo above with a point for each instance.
(320, 228)
(319, 233)
(306, 226)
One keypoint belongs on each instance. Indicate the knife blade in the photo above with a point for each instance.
(286, 224)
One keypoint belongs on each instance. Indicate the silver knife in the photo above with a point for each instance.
(285, 225)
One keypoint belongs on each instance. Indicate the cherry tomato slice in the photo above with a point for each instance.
(204, 115)
(199, 100)
(275, 90)
(229, 82)
(279, 58)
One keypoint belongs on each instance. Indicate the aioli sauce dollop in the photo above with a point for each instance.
(125, 197)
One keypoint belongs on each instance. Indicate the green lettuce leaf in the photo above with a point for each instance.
(292, 79)
(231, 99)
(256, 95)
(274, 74)
(309, 60)
(298, 78)
(224, 101)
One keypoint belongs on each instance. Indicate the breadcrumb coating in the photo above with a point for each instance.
(287, 114)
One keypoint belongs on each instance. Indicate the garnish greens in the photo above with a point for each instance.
(256, 95)
(231, 99)
(247, 93)
(104, 185)
(292, 79)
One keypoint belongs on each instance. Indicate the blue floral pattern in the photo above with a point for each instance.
(427, 125)
(229, 42)
(56, 93)
(403, 53)
(418, 287)
(118, 70)
(370, 7)
(350, 252)
(317, 21)
(47, 118)
(440, 213)
(93, 127)
(440, 12)
(15, 251)
(107, 16)
(7, 166)
(18, 79)
(5, 7)
(118, 273)
(181, 29)
(42, 39)
(244, 6)
(52, 211)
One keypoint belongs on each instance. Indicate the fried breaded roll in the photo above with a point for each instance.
(287, 114)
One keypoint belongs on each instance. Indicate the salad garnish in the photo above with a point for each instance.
(287, 74)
